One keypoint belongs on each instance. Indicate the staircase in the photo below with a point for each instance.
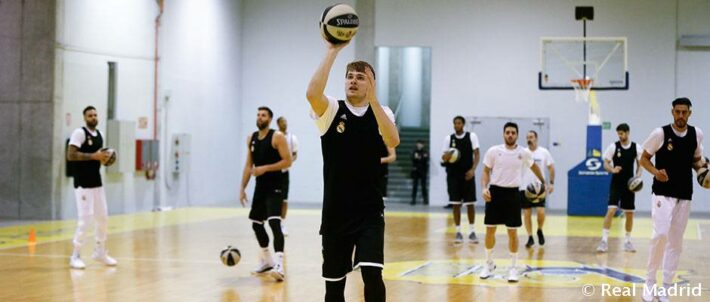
(399, 188)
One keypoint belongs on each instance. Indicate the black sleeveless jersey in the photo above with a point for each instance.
(263, 153)
(351, 166)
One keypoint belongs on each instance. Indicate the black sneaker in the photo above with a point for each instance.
(540, 237)
(530, 243)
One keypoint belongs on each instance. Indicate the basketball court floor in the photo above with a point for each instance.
(174, 256)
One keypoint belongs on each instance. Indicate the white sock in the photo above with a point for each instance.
(76, 252)
(458, 229)
(605, 234)
(471, 228)
(513, 259)
(279, 257)
(628, 237)
(266, 255)
(489, 255)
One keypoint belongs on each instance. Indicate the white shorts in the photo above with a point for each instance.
(90, 201)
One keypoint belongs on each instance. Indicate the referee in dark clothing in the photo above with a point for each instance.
(352, 131)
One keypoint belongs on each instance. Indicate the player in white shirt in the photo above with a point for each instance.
(292, 142)
(86, 156)
(503, 169)
(460, 175)
(619, 159)
(543, 159)
(678, 149)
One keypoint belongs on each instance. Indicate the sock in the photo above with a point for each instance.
(279, 257)
(76, 252)
(471, 228)
(513, 259)
(266, 255)
(489, 255)
(628, 237)
(458, 229)
(605, 234)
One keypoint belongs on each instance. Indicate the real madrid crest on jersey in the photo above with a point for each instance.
(252, 146)
(670, 145)
(341, 127)
(90, 142)
(618, 152)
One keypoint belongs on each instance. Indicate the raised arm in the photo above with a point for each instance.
(314, 94)
(389, 131)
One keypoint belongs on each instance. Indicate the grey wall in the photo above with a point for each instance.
(26, 107)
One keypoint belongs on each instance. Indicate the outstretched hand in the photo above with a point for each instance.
(371, 95)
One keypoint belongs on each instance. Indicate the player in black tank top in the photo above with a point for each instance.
(678, 150)
(267, 155)
(621, 167)
(352, 202)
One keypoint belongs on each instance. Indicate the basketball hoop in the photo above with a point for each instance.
(582, 87)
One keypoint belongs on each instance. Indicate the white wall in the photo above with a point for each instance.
(277, 64)
(486, 59)
(199, 67)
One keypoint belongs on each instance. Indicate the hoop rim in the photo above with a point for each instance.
(581, 83)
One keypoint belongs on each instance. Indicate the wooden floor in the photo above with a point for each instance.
(173, 256)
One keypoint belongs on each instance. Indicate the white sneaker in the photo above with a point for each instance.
(487, 271)
(647, 295)
(513, 275)
(283, 229)
(664, 297)
(264, 266)
(629, 247)
(76, 263)
(101, 255)
(277, 272)
(602, 247)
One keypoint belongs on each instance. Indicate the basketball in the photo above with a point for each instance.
(339, 23)
(111, 159)
(704, 176)
(535, 191)
(635, 184)
(454, 155)
(230, 256)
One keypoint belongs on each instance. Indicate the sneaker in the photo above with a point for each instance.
(540, 237)
(629, 247)
(487, 271)
(264, 266)
(602, 247)
(472, 238)
(664, 296)
(530, 243)
(101, 255)
(513, 275)
(283, 229)
(76, 263)
(647, 295)
(458, 238)
(277, 272)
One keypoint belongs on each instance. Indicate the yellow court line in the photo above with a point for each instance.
(51, 231)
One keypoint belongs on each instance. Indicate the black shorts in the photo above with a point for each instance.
(266, 203)
(368, 242)
(526, 203)
(621, 197)
(504, 207)
(460, 189)
(284, 187)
